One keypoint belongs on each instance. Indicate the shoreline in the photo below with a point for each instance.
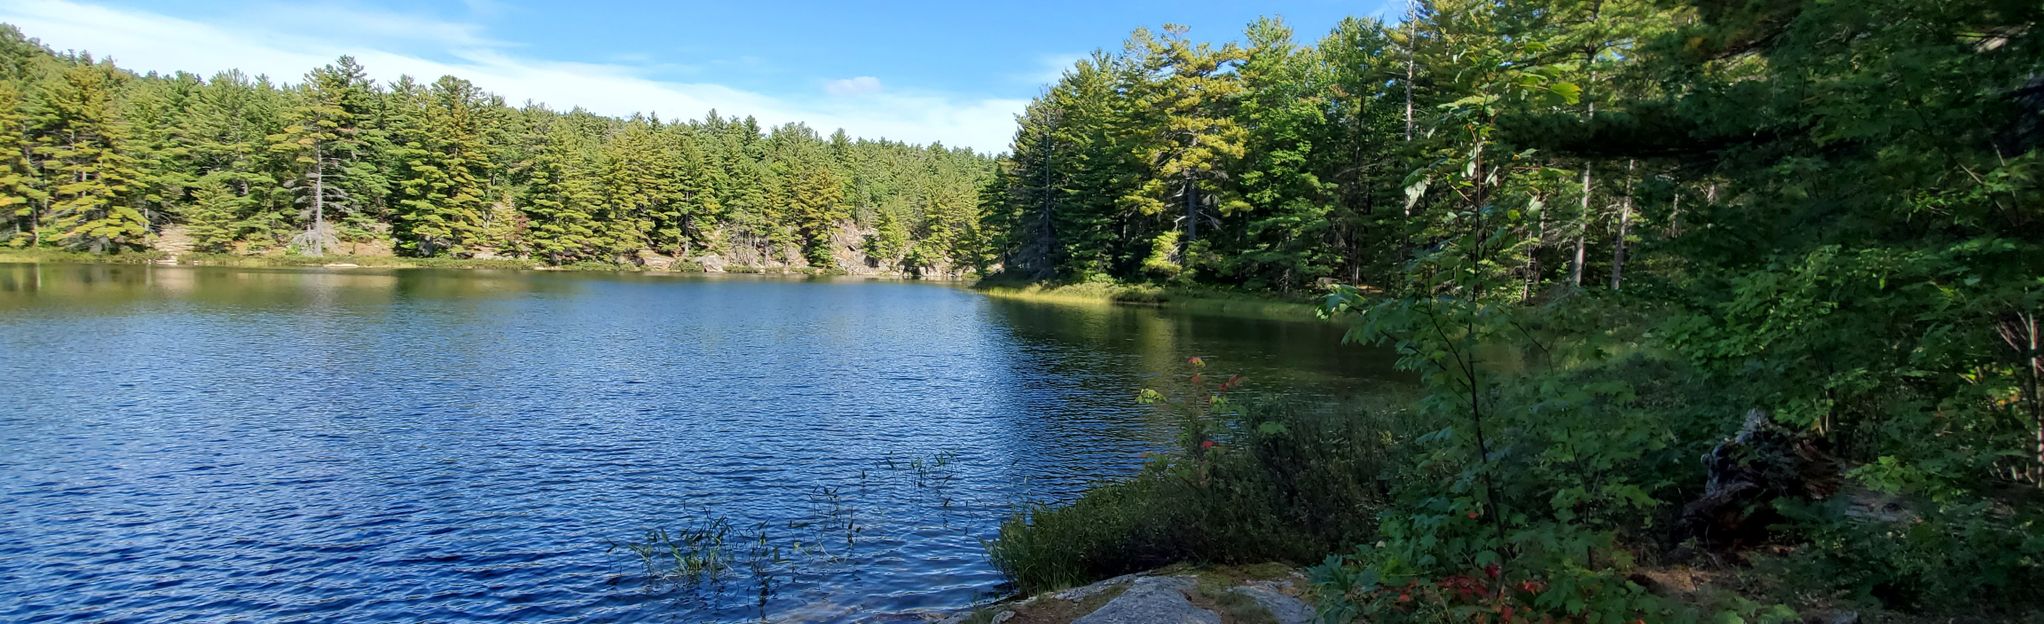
(1212, 302)
(158, 258)
(1219, 303)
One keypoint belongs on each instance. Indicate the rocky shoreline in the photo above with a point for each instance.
(1259, 595)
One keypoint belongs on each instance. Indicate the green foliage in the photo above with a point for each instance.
(93, 180)
(1921, 555)
(330, 155)
(443, 163)
(1261, 481)
(22, 197)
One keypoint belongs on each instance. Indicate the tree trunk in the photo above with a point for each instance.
(2036, 361)
(1575, 275)
(1191, 214)
(1411, 40)
(1575, 270)
(318, 237)
(2020, 332)
(1675, 216)
(1533, 258)
(1624, 225)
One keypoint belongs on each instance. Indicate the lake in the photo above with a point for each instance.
(212, 444)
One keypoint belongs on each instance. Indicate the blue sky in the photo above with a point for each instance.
(922, 71)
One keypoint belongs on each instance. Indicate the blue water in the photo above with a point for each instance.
(183, 444)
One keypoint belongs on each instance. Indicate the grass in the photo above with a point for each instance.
(1203, 300)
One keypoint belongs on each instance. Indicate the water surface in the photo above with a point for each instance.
(205, 444)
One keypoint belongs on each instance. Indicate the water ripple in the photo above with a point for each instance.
(184, 444)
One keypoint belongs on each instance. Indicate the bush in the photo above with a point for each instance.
(1959, 557)
(1271, 481)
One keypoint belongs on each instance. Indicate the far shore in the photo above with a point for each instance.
(1205, 301)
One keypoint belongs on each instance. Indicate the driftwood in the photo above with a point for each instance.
(1763, 463)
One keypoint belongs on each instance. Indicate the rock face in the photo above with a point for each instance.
(1153, 600)
(1191, 597)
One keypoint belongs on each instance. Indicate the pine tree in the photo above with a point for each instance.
(562, 197)
(811, 189)
(696, 205)
(22, 198)
(441, 163)
(162, 146)
(642, 183)
(1191, 140)
(92, 181)
(330, 150)
(1282, 245)
(214, 219)
(233, 120)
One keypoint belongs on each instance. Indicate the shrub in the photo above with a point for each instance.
(1272, 480)
(1956, 557)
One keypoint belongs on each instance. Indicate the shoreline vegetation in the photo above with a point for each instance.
(346, 261)
(1202, 301)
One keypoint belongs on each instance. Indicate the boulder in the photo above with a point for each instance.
(1153, 600)
(1284, 608)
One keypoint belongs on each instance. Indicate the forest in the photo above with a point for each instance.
(101, 160)
(1745, 292)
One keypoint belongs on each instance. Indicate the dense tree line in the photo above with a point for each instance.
(99, 159)
(1842, 194)
(1610, 235)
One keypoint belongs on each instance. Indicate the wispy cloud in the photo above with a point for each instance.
(860, 85)
(1050, 68)
(276, 41)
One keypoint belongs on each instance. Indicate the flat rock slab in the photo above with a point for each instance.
(1153, 600)
(1282, 607)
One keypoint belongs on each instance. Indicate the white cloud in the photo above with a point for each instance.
(284, 41)
(861, 85)
(1050, 68)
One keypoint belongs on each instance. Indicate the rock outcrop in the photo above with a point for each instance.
(1178, 597)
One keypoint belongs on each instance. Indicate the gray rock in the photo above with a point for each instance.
(1081, 593)
(1835, 617)
(1283, 608)
(1152, 600)
(1003, 617)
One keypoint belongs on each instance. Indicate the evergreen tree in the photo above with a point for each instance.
(1190, 139)
(330, 150)
(1283, 243)
(811, 189)
(233, 120)
(162, 147)
(441, 163)
(22, 198)
(562, 197)
(92, 181)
